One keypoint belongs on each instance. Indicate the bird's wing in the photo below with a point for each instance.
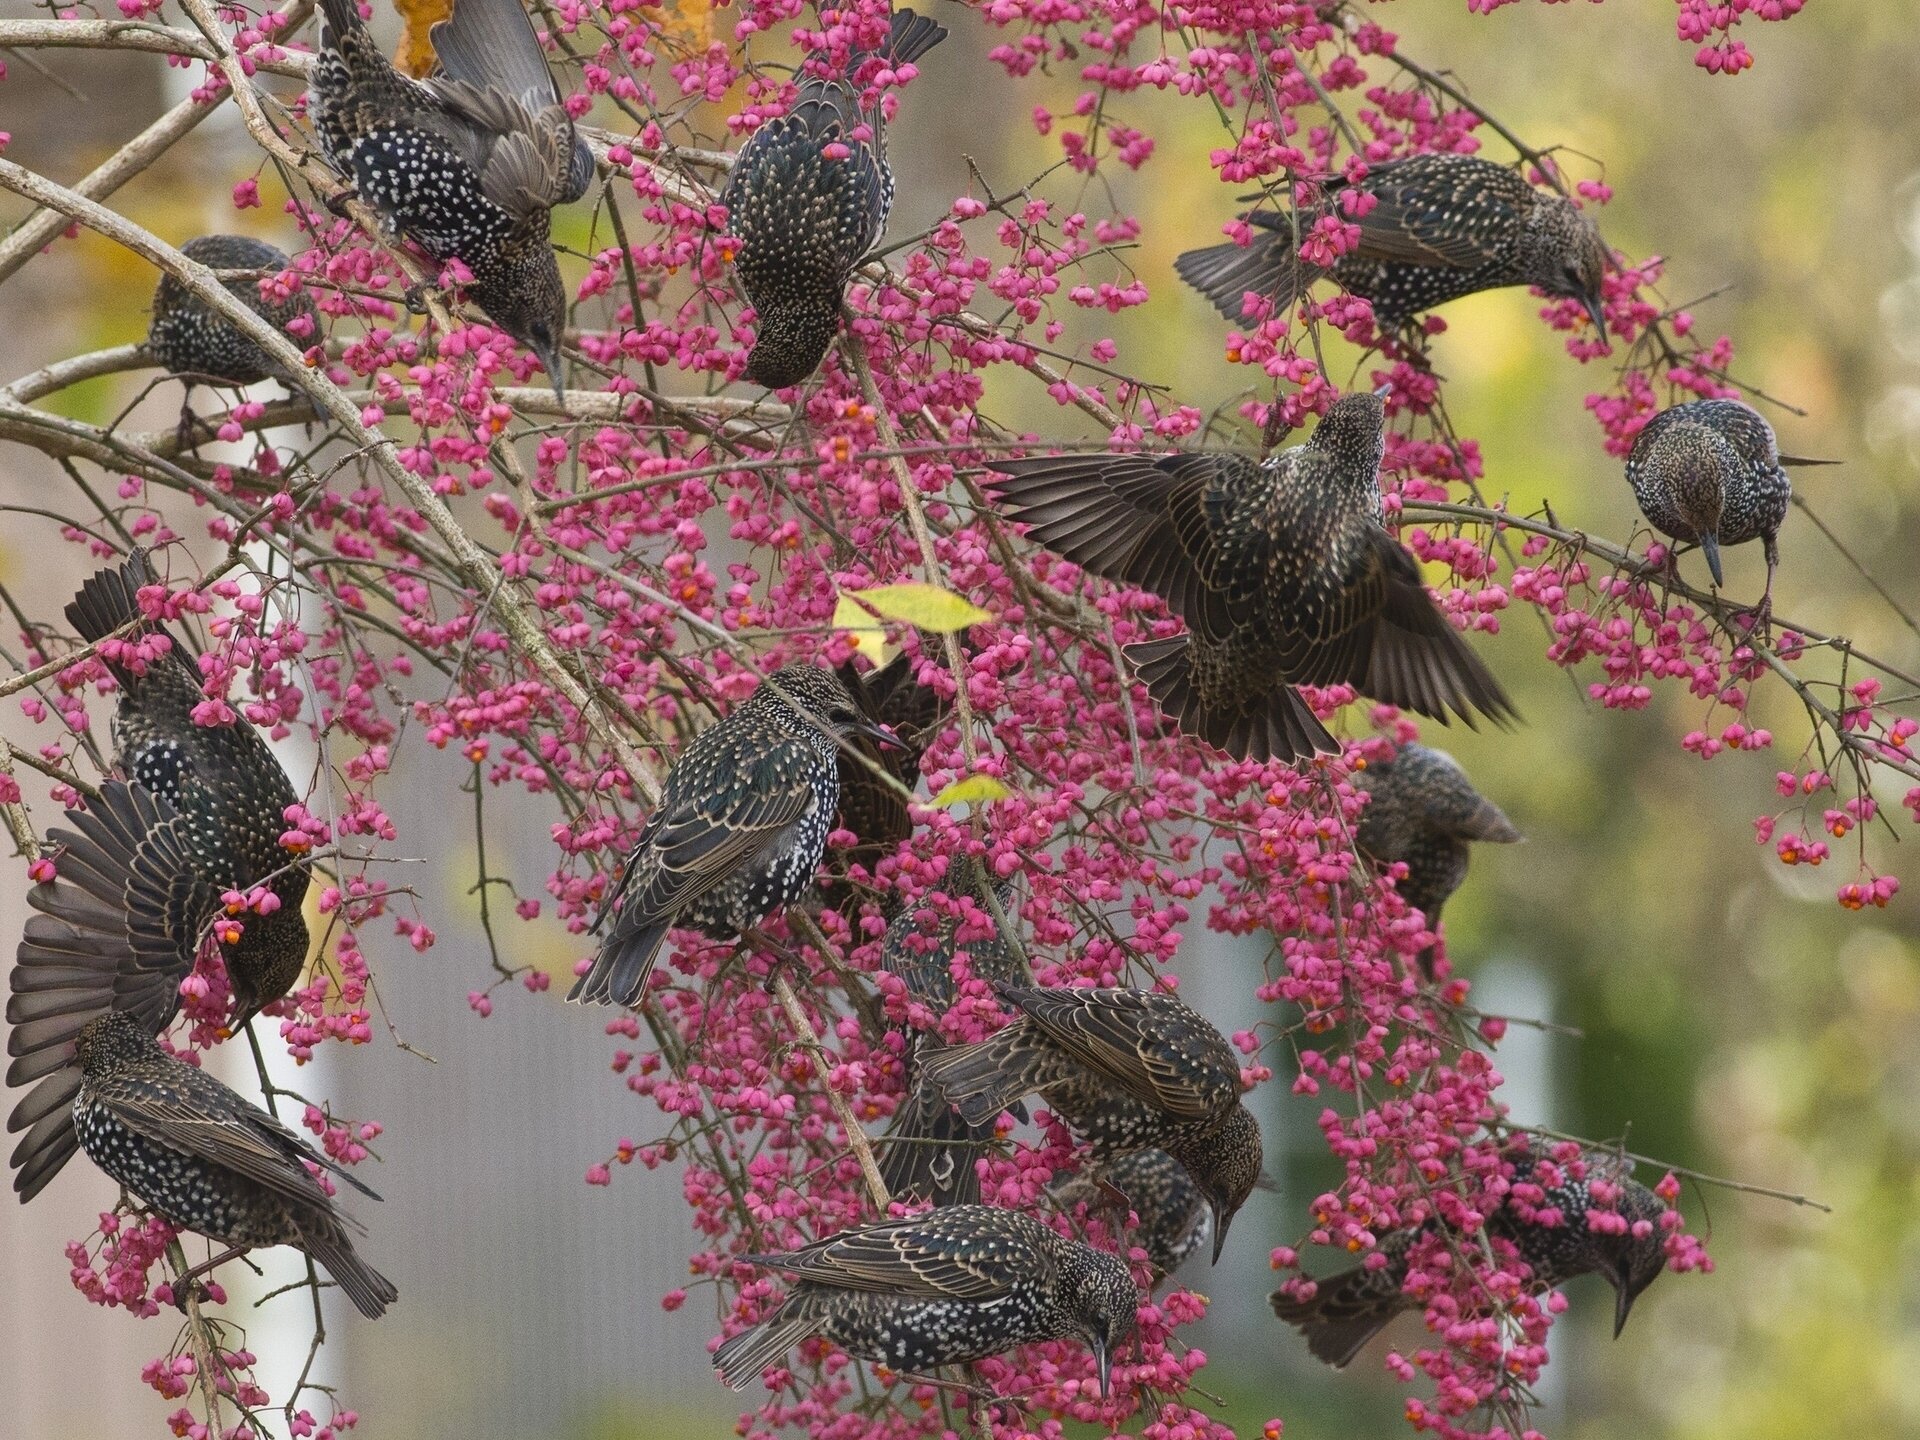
(1139, 519)
(930, 1255)
(1418, 220)
(1168, 1057)
(524, 157)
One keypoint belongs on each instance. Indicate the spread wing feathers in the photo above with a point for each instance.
(1137, 519)
(490, 44)
(1276, 725)
(1449, 215)
(930, 1151)
(745, 1357)
(940, 1255)
(1149, 1044)
(991, 1075)
(46, 1114)
(1416, 659)
(109, 599)
(1268, 265)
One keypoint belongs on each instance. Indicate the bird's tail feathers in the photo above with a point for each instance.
(342, 17)
(370, 1291)
(619, 972)
(985, 1078)
(1268, 265)
(745, 1357)
(910, 37)
(930, 1150)
(1278, 725)
(1338, 1322)
(491, 44)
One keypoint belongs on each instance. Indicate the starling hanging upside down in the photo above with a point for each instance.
(1174, 1220)
(1128, 1070)
(1350, 1308)
(140, 878)
(943, 1288)
(204, 1159)
(1710, 473)
(739, 830)
(1442, 226)
(1282, 570)
(807, 199)
(467, 165)
(1424, 811)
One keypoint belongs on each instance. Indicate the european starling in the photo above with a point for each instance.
(1424, 811)
(740, 828)
(807, 199)
(140, 879)
(1282, 570)
(1127, 1070)
(871, 809)
(189, 339)
(943, 1288)
(1710, 473)
(204, 1159)
(930, 1150)
(468, 165)
(1442, 226)
(1174, 1221)
(1350, 1308)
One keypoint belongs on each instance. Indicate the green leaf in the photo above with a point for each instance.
(970, 790)
(927, 607)
(868, 638)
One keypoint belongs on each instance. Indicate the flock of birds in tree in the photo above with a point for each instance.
(1280, 571)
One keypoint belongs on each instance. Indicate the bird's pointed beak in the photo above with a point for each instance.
(1710, 547)
(880, 736)
(1103, 1363)
(1221, 1220)
(1383, 390)
(1597, 313)
(1622, 1304)
(550, 360)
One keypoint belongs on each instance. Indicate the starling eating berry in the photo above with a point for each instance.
(1350, 1308)
(1442, 226)
(1127, 1070)
(930, 1149)
(807, 199)
(202, 1158)
(943, 1288)
(190, 339)
(141, 877)
(1711, 473)
(467, 165)
(1174, 1222)
(1424, 811)
(1282, 570)
(739, 830)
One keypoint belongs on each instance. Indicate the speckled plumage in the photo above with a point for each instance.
(139, 879)
(739, 831)
(805, 219)
(944, 1288)
(1128, 1070)
(1425, 812)
(196, 1153)
(187, 338)
(930, 1149)
(1442, 226)
(1348, 1309)
(1282, 570)
(1710, 473)
(467, 165)
(1173, 1219)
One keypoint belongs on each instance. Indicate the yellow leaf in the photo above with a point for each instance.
(415, 56)
(868, 638)
(926, 607)
(690, 22)
(970, 790)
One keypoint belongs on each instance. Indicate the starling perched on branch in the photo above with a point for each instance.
(204, 1159)
(739, 830)
(189, 339)
(930, 1148)
(943, 1288)
(1174, 1221)
(1442, 226)
(1350, 1308)
(1424, 811)
(1282, 570)
(1710, 473)
(141, 878)
(807, 199)
(1127, 1070)
(468, 165)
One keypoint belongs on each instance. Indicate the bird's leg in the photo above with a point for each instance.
(338, 201)
(981, 1402)
(1761, 616)
(184, 432)
(415, 299)
(184, 1285)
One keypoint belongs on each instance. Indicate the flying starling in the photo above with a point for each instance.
(1350, 1308)
(1442, 226)
(942, 1288)
(188, 338)
(1128, 1070)
(1282, 570)
(807, 199)
(739, 830)
(1172, 1214)
(930, 1148)
(1710, 473)
(1424, 811)
(203, 1159)
(467, 165)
